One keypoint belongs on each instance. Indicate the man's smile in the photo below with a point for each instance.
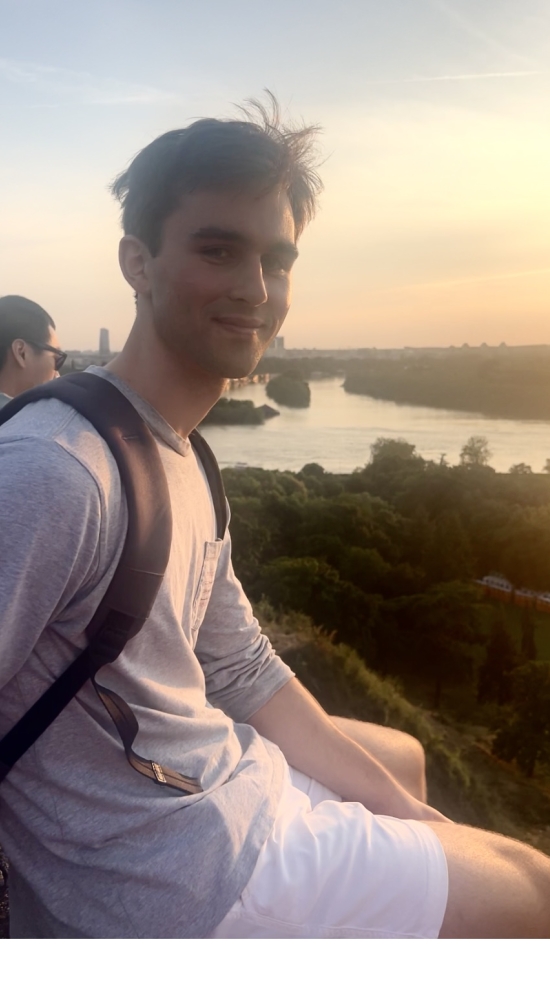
(240, 325)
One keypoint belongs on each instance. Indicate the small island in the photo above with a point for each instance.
(232, 412)
(290, 391)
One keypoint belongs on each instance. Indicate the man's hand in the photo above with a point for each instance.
(312, 743)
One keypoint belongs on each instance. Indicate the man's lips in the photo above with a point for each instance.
(240, 324)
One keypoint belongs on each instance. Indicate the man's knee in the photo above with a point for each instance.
(399, 752)
(413, 762)
(498, 887)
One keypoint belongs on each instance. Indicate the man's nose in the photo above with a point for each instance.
(250, 286)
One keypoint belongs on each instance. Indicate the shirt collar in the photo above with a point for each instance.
(157, 424)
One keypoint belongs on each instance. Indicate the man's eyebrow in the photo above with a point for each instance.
(285, 246)
(213, 232)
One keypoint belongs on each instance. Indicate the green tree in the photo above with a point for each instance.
(528, 645)
(475, 452)
(520, 469)
(501, 660)
(311, 586)
(437, 630)
(385, 448)
(234, 412)
(525, 736)
(313, 471)
(448, 554)
(289, 391)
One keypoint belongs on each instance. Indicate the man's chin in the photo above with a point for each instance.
(232, 367)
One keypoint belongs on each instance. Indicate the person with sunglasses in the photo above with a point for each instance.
(29, 348)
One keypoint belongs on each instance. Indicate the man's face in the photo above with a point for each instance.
(220, 284)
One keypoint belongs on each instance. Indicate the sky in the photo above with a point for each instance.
(434, 227)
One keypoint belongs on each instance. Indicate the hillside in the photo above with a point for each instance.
(465, 781)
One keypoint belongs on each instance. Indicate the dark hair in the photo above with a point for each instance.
(21, 318)
(258, 153)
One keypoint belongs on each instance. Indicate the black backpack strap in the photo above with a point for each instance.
(214, 479)
(139, 573)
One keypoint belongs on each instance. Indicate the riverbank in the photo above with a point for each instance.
(503, 384)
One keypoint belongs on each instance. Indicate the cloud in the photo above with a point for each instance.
(475, 31)
(459, 77)
(70, 87)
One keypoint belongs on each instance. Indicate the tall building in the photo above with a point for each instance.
(277, 347)
(104, 348)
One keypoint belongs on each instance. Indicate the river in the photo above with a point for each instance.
(338, 429)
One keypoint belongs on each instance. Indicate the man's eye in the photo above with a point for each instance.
(274, 264)
(220, 253)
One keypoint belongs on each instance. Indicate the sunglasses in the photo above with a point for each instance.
(59, 355)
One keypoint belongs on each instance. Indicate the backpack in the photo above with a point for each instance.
(130, 596)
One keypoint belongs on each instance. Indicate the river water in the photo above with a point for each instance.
(338, 429)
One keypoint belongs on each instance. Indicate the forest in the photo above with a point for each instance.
(385, 561)
(504, 383)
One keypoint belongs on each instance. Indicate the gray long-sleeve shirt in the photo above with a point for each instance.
(107, 852)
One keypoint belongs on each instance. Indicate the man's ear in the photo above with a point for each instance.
(134, 258)
(20, 351)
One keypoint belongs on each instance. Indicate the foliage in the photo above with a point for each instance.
(501, 660)
(290, 391)
(463, 781)
(508, 383)
(520, 468)
(437, 630)
(384, 559)
(387, 449)
(475, 452)
(232, 412)
(528, 644)
(525, 735)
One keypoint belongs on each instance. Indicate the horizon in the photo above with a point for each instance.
(374, 348)
(434, 220)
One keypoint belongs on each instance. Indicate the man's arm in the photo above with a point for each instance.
(49, 539)
(311, 743)
(241, 669)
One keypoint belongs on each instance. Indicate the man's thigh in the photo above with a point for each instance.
(334, 870)
(498, 887)
(401, 754)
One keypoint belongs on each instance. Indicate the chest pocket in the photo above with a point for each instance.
(212, 550)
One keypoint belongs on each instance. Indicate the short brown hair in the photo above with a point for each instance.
(257, 152)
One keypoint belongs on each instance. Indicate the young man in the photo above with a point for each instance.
(29, 348)
(211, 216)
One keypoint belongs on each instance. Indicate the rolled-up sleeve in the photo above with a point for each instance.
(242, 670)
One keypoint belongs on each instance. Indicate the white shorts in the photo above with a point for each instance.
(333, 870)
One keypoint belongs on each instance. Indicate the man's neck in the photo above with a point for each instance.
(8, 384)
(182, 394)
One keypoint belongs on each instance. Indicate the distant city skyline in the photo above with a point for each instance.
(277, 348)
(433, 228)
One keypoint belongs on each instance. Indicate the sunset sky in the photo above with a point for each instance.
(435, 222)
